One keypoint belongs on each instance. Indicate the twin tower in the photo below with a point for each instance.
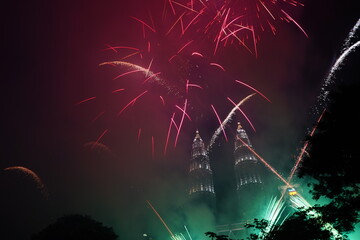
(247, 171)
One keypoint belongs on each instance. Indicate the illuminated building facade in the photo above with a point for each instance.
(246, 164)
(249, 184)
(201, 186)
(246, 187)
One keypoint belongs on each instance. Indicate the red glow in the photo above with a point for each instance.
(221, 125)
(86, 100)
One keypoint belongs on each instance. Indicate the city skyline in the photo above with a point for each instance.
(108, 155)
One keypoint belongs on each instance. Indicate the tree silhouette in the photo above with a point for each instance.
(333, 154)
(75, 227)
(215, 236)
(211, 235)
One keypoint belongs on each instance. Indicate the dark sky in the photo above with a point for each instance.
(51, 51)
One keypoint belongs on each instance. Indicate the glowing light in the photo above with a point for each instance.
(32, 175)
(161, 219)
(221, 124)
(252, 88)
(266, 164)
(85, 100)
(181, 122)
(227, 119)
(242, 112)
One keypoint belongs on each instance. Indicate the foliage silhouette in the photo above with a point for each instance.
(330, 165)
(75, 227)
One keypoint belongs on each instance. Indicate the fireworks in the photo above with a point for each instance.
(230, 22)
(177, 82)
(99, 147)
(227, 119)
(32, 175)
(162, 220)
(171, 68)
(348, 47)
(274, 213)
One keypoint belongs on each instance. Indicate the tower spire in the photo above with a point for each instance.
(246, 163)
(238, 126)
(247, 173)
(201, 186)
(197, 135)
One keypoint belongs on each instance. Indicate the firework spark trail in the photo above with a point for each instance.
(351, 35)
(227, 119)
(138, 135)
(293, 170)
(145, 71)
(180, 50)
(32, 174)
(197, 54)
(85, 100)
(299, 202)
(242, 112)
(132, 102)
(337, 66)
(192, 21)
(274, 171)
(97, 117)
(237, 22)
(291, 19)
(266, 164)
(144, 24)
(150, 77)
(230, 22)
(152, 147)
(181, 123)
(218, 38)
(118, 90)
(274, 211)
(187, 231)
(119, 47)
(191, 85)
(161, 219)
(162, 100)
(254, 89)
(172, 27)
(127, 73)
(217, 65)
(347, 49)
(168, 133)
(98, 146)
(101, 135)
(182, 110)
(221, 124)
(178, 237)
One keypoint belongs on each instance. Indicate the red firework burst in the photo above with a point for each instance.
(229, 22)
(166, 73)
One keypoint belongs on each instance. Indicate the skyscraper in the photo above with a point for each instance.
(201, 186)
(246, 164)
(245, 200)
(249, 185)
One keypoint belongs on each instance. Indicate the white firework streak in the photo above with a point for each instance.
(274, 212)
(347, 49)
(150, 75)
(146, 71)
(227, 119)
(337, 66)
(351, 35)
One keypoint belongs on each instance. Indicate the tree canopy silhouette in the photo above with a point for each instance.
(75, 227)
(333, 154)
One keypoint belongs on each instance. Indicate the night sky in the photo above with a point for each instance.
(51, 51)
